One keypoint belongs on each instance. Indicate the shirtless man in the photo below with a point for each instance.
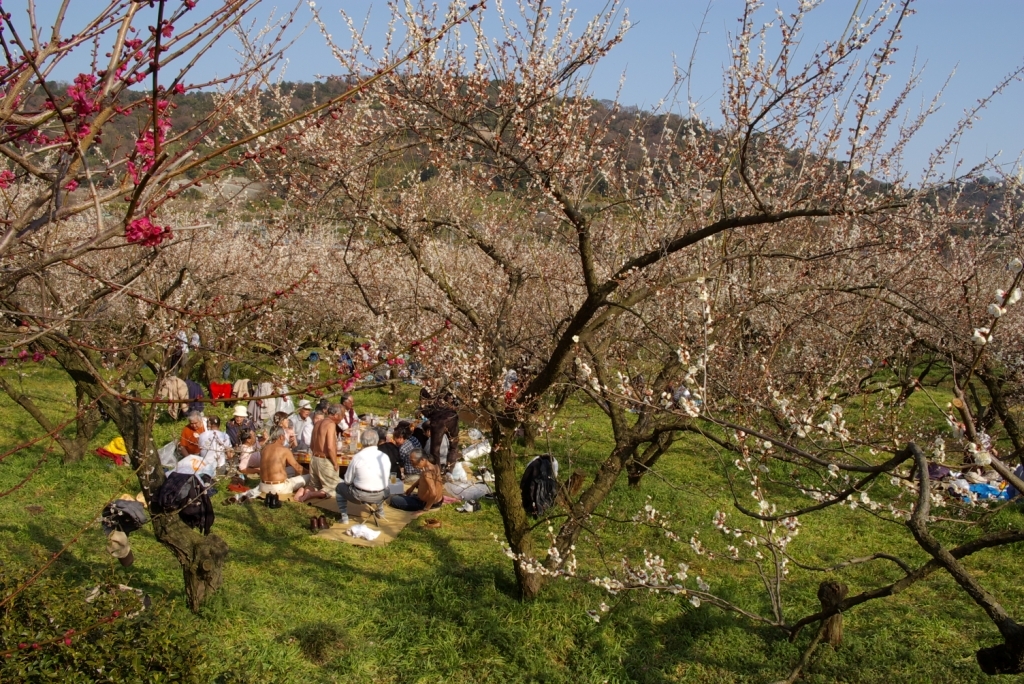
(274, 458)
(324, 464)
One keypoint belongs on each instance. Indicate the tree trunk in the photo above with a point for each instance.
(592, 497)
(201, 558)
(529, 583)
(1004, 658)
(186, 367)
(510, 502)
(636, 468)
(831, 594)
(73, 449)
(529, 435)
(88, 420)
(994, 386)
(211, 371)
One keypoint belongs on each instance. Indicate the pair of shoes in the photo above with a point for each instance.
(314, 524)
(272, 501)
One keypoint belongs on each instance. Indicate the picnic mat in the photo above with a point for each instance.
(394, 522)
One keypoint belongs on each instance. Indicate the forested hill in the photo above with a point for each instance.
(984, 195)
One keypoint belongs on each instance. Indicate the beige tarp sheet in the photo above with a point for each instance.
(394, 523)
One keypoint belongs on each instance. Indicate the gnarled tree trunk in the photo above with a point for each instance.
(637, 467)
(201, 558)
(510, 501)
(73, 449)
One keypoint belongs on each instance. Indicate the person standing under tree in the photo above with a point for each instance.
(324, 464)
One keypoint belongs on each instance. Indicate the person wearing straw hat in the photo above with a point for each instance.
(239, 421)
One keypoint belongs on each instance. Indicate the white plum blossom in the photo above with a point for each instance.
(980, 454)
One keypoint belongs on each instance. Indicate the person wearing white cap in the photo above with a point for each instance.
(302, 424)
(239, 421)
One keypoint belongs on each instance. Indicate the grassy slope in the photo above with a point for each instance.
(437, 606)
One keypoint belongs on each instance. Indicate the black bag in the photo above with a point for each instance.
(124, 515)
(539, 486)
(189, 495)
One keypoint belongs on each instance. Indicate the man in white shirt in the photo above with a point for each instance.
(214, 444)
(366, 480)
(302, 424)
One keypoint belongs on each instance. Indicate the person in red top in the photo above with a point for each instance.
(189, 442)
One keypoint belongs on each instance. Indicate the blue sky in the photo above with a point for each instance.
(978, 39)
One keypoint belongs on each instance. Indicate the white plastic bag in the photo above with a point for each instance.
(169, 454)
(363, 532)
(476, 451)
(459, 473)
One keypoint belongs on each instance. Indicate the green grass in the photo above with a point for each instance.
(439, 605)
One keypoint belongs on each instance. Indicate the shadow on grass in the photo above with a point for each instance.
(702, 644)
(447, 616)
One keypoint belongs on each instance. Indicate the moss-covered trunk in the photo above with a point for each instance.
(510, 501)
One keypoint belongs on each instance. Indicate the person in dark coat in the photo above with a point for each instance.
(195, 396)
(442, 418)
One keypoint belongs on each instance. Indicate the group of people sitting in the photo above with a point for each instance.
(299, 454)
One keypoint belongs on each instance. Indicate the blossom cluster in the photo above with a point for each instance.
(144, 232)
